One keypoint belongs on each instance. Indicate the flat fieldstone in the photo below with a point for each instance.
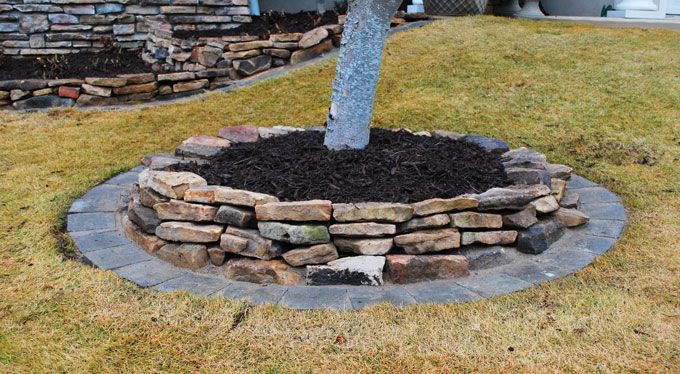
(559, 171)
(262, 272)
(177, 210)
(357, 270)
(240, 134)
(294, 234)
(313, 210)
(149, 197)
(212, 141)
(433, 206)
(270, 132)
(313, 37)
(115, 257)
(489, 237)
(524, 158)
(302, 55)
(314, 255)
(571, 200)
(539, 237)
(363, 229)
(198, 150)
(189, 232)
(370, 247)
(217, 255)
(226, 195)
(90, 221)
(149, 273)
(255, 245)
(150, 243)
(558, 187)
(143, 217)
(515, 198)
(522, 219)
(171, 184)
(447, 134)
(188, 256)
(571, 217)
(524, 176)
(546, 204)
(474, 220)
(87, 241)
(236, 216)
(362, 212)
(253, 65)
(414, 268)
(428, 241)
(488, 144)
(421, 223)
(483, 257)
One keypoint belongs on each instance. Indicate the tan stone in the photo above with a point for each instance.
(106, 82)
(258, 44)
(313, 37)
(511, 197)
(149, 197)
(150, 243)
(255, 245)
(230, 56)
(489, 237)
(370, 247)
(362, 212)
(428, 241)
(413, 268)
(314, 255)
(522, 219)
(217, 256)
(559, 171)
(177, 210)
(546, 204)
(226, 195)
(438, 220)
(364, 229)
(190, 86)
(470, 220)
(434, 206)
(571, 217)
(173, 184)
(558, 187)
(289, 37)
(262, 272)
(136, 88)
(189, 232)
(313, 210)
(96, 90)
(188, 256)
(211, 141)
(303, 55)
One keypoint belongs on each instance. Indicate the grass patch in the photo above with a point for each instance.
(602, 100)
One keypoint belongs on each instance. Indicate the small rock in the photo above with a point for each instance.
(559, 171)
(226, 195)
(539, 237)
(571, 200)
(188, 256)
(212, 141)
(244, 46)
(173, 184)
(522, 176)
(415, 224)
(571, 217)
(404, 269)
(270, 132)
(198, 150)
(253, 65)
(314, 255)
(437, 205)
(447, 134)
(361, 212)
(489, 237)
(358, 270)
(236, 216)
(428, 241)
(313, 210)
(515, 198)
(481, 258)
(217, 256)
(177, 210)
(474, 220)
(488, 144)
(546, 204)
(96, 90)
(190, 85)
(302, 55)
(143, 217)
(262, 272)
(371, 247)
(68, 92)
(150, 243)
(189, 232)
(206, 55)
(294, 234)
(240, 134)
(149, 197)
(313, 37)
(524, 158)
(558, 187)
(106, 82)
(364, 229)
(43, 102)
(522, 219)
(254, 245)
(289, 37)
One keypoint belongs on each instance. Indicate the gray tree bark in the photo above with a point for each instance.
(357, 72)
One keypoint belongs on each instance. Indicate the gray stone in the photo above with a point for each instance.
(474, 220)
(262, 272)
(236, 216)
(149, 197)
(515, 198)
(124, 179)
(357, 270)
(489, 237)
(599, 227)
(571, 200)
(311, 297)
(531, 272)
(577, 181)
(294, 234)
(437, 205)
(371, 247)
(363, 229)
(177, 210)
(404, 269)
(115, 257)
(524, 158)
(301, 211)
(570, 217)
(33, 23)
(428, 241)
(189, 232)
(189, 256)
(539, 237)
(523, 176)
(447, 134)
(362, 212)
(313, 37)
(480, 258)
(595, 244)
(522, 219)
(109, 8)
(143, 217)
(493, 283)
(102, 198)
(253, 65)
(195, 283)
(43, 102)
(488, 144)
(90, 221)
(440, 292)
(559, 171)
(217, 256)
(314, 255)
(302, 55)
(149, 273)
(610, 211)
(87, 241)
(362, 297)
(255, 245)
(430, 222)
(197, 150)
(171, 184)
(597, 195)
(256, 294)
(226, 195)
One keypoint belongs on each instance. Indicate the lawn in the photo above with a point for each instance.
(606, 101)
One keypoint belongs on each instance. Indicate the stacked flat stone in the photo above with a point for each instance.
(254, 237)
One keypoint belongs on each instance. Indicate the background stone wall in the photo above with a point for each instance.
(33, 27)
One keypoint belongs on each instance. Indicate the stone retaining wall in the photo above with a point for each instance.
(253, 237)
(70, 26)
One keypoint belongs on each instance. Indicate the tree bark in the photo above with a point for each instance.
(357, 72)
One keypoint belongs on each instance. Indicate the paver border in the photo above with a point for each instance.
(94, 225)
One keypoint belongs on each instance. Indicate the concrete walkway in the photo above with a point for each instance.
(669, 23)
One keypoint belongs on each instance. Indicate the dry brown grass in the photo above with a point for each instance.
(603, 100)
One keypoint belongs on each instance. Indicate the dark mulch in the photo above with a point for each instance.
(107, 63)
(270, 23)
(395, 167)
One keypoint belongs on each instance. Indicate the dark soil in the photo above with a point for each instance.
(270, 23)
(108, 63)
(395, 167)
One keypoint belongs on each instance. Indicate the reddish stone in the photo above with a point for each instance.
(414, 268)
(70, 92)
(240, 134)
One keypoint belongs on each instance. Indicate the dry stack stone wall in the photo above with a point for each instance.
(254, 237)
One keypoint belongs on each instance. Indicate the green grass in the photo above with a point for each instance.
(606, 101)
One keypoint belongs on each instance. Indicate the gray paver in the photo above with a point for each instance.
(440, 292)
(90, 221)
(610, 211)
(255, 293)
(99, 239)
(566, 260)
(592, 195)
(492, 283)
(195, 283)
(98, 199)
(124, 179)
(530, 271)
(149, 273)
(115, 257)
(364, 296)
(599, 227)
(577, 181)
(315, 297)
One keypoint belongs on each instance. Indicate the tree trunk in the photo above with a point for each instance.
(363, 41)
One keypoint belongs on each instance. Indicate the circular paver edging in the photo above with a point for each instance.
(95, 225)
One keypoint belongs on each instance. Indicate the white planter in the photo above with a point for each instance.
(636, 5)
(531, 9)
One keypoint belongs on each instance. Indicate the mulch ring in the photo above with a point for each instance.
(395, 167)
